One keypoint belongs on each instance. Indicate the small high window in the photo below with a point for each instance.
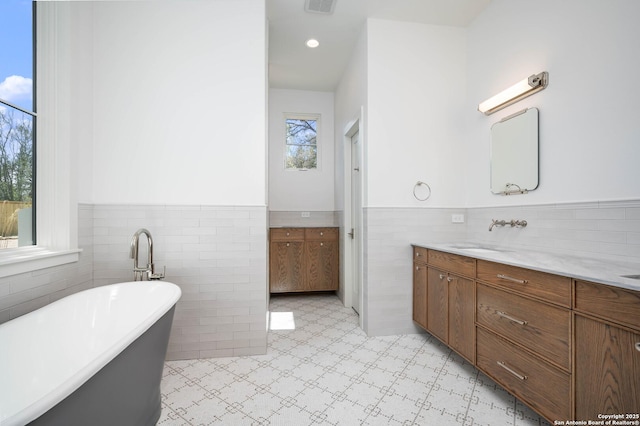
(301, 149)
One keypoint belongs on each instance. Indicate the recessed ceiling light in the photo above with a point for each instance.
(313, 43)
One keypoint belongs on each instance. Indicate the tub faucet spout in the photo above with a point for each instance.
(140, 272)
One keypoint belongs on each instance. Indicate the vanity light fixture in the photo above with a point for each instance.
(312, 43)
(513, 94)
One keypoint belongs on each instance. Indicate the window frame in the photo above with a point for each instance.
(54, 201)
(303, 116)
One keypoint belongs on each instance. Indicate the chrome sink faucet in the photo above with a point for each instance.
(140, 272)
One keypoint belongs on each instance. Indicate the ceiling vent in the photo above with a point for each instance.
(320, 6)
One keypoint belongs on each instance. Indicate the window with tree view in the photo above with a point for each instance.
(17, 123)
(301, 150)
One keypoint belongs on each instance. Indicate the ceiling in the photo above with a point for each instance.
(292, 65)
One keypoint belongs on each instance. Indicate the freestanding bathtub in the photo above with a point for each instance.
(92, 358)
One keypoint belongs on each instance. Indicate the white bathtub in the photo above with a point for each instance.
(49, 354)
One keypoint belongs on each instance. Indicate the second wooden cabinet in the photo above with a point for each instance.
(303, 259)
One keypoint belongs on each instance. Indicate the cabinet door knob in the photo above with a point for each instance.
(417, 254)
(321, 244)
(441, 276)
(638, 346)
(321, 234)
(418, 268)
(287, 244)
(287, 234)
(449, 279)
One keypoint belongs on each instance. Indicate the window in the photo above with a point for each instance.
(17, 124)
(301, 149)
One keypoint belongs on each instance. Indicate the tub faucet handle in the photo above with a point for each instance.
(152, 276)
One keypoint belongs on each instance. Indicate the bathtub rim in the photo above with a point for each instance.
(60, 390)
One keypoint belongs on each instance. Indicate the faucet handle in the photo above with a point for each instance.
(155, 277)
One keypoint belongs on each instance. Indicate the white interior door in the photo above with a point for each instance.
(356, 222)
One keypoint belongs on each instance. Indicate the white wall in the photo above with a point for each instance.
(291, 190)
(179, 102)
(350, 103)
(589, 134)
(416, 86)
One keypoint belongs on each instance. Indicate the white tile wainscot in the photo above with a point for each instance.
(389, 232)
(216, 254)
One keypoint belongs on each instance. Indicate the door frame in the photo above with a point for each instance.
(353, 126)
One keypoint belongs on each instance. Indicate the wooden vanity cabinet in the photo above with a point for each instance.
(303, 259)
(607, 355)
(444, 301)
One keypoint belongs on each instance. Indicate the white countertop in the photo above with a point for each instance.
(589, 269)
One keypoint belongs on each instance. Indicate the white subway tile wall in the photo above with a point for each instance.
(23, 293)
(607, 230)
(218, 257)
(296, 218)
(388, 294)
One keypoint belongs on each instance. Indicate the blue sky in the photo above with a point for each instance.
(16, 52)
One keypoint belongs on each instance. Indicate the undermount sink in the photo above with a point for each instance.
(475, 248)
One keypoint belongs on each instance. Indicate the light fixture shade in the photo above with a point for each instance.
(513, 94)
(312, 43)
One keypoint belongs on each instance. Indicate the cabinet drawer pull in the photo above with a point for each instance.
(638, 346)
(515, 280)
(510, 318)
(518, 375)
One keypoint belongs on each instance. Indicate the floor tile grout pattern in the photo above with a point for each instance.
(326, 371)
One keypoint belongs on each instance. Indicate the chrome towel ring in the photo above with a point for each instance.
(420, 183)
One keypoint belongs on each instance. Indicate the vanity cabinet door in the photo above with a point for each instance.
(462, 328)
(420, 294)
(322, 265)
(438, 303)
(607, 375)
(286, 271)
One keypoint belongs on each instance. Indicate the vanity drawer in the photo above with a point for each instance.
(542, 328)
(612, 303)
(287, 234)
(420, 254)
(545, 388)
(548, 287)
(321, 234)
(452, 262)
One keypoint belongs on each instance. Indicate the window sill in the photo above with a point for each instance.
(28, 259)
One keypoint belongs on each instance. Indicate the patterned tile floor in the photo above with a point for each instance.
(326, 371)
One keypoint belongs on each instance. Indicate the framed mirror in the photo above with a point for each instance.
(514, 153)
